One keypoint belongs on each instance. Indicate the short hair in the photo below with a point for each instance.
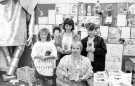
(91, 26)
(46, 31)
(77, 42)
(56, 28)
(68, 21)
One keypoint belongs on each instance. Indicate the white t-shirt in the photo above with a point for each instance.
(44, 67)
(67, 41)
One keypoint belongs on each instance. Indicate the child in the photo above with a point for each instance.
(57, 39)
(96, 45)
(44, 55)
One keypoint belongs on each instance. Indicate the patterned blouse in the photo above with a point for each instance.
(73, 72)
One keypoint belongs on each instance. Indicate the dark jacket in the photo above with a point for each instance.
(99, 54)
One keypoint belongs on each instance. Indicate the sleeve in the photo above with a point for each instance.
(102, 49)
(34, 52)
(28, 5)
(61, 70)
(84, 43)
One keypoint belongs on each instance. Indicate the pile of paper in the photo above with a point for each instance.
(100, 79)
(120, 79)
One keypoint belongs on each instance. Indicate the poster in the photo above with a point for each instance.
(104, 31)
(59, 19)
(114, 34)
(121, 20)
(82, 9)
(41, 12)
(113, 66)
(51, 16)
(132, 9)
(88, 10)
(43, 20)
(129, 50)
(114, 57)
(89, 19)
(66, 9)
(125, 32)
(129, 47)
(132, 32)
(131, 20)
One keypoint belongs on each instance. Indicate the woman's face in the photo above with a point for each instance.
(68, 27)
(43, 36)
(91, 33)
(76, 49)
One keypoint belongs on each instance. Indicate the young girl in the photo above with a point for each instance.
(95, 45)
(44, 55)
(57, 39)
(67, 35)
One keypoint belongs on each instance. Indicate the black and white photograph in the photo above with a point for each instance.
(67, 42)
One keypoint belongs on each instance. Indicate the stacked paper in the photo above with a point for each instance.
(104, 31)
(51, 16)
(129, 48)
(120, 79)
(100, 79)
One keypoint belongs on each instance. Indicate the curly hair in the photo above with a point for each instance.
(91, 26)
(56, 28)
(68, 21)
(46, 31)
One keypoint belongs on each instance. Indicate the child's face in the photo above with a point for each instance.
(76, 49)
(91, 33)
(68, 27)
(43, 36)
(56, 32)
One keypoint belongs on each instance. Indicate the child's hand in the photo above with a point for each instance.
(49, 57)
(67, 51)
(90, 49)
(59, 49)
(48, 53)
